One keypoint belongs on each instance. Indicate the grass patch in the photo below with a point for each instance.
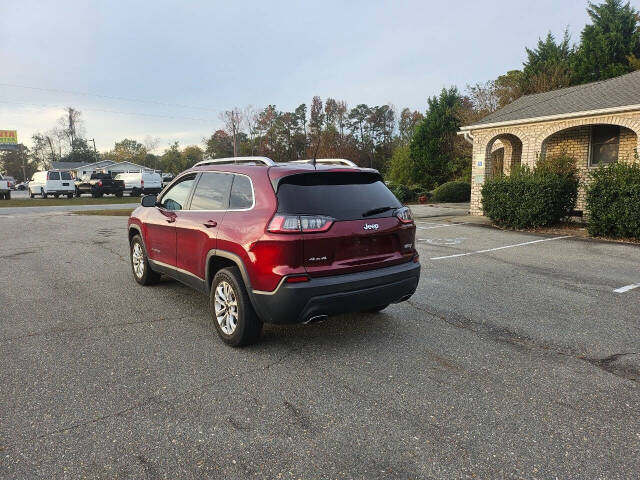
(50, 202)
(112, 212)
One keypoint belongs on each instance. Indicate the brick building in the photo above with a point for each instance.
(596, 123)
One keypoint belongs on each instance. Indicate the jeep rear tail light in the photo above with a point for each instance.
(99, 183)
(299, 223)
(404, 215)
(142, 183)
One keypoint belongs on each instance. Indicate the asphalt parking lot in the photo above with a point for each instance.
(518, 357)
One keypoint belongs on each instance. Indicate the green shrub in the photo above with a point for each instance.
(532, 198)
(456, 191)
(401, 166)
(613, 201)
(402, 192)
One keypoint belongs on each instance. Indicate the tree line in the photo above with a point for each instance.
(408, 146)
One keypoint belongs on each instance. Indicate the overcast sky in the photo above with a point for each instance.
(184, 62)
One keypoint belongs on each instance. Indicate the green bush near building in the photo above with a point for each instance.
(530, 198)
(613, 201)
(456, 191)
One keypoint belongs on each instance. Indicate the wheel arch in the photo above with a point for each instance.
(218, 259)
(222, 259)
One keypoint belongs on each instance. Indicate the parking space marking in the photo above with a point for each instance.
(626, 288)
(443, 241)
(441, 225)
(499, 248)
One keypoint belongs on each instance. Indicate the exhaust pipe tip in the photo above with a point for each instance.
(315, 319)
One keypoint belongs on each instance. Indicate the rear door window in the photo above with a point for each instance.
(241, 193)
(212, 192)
(66, 176)
(54, 176)
(342, 196)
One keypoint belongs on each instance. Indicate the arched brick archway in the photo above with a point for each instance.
(512, 154)
(538, 143)
(482, 167)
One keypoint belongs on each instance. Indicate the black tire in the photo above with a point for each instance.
(377, 309)
(248, 325)
(94, 195)
(57, 195)
(44, 194)
(7, 196)
(31, 195)
(118, 194)
(69, 195)
(145, 276)
(135, 192)
(78, 193)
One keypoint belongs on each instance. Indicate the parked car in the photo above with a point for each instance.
(11, 181)
(52, 182)
(5, 190)
(139, 183)
(22, 186)
(277, 243)
(99, 184)
(167, 178)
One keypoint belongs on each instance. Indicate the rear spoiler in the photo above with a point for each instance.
(328, 177)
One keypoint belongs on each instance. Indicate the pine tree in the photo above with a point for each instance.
(610, 46)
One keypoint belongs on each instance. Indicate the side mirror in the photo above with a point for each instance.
(149, 201)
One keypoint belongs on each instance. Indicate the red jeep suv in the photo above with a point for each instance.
(277, 242)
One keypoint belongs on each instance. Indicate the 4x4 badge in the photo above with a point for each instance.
(371, 226)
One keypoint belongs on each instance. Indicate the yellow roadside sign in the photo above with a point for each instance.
(9, 137)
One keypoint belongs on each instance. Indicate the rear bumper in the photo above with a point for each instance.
(299, 302)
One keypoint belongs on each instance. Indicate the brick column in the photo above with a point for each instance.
(480, 168)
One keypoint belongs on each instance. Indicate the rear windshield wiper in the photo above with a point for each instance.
(374, 211)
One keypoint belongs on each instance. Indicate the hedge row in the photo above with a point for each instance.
(613, 201)
(530, 198)
(456, 191)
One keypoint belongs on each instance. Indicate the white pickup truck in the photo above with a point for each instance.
(5, 191)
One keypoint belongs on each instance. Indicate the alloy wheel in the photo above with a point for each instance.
(137, 257)
(226, 307)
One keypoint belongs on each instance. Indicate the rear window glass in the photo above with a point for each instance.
(343, 196)
(54, 176)
(66, 176)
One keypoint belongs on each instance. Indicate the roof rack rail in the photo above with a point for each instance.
(215, 161)
(328, 161)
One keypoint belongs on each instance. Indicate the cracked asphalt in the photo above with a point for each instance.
(514, 363)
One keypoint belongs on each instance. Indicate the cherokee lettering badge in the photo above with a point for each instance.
(371, 226)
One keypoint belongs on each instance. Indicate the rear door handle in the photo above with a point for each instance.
(211, 224)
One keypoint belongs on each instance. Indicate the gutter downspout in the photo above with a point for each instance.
(467, 136)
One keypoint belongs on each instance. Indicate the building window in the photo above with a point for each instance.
(605, 140)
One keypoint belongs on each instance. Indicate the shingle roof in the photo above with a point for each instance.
(615, 92)
(65, 165)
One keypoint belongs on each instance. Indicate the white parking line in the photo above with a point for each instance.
(626, 288)
(499, 248)
(441, 225)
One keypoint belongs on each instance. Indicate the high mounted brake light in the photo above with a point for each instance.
(404, 215)
(299, 223)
